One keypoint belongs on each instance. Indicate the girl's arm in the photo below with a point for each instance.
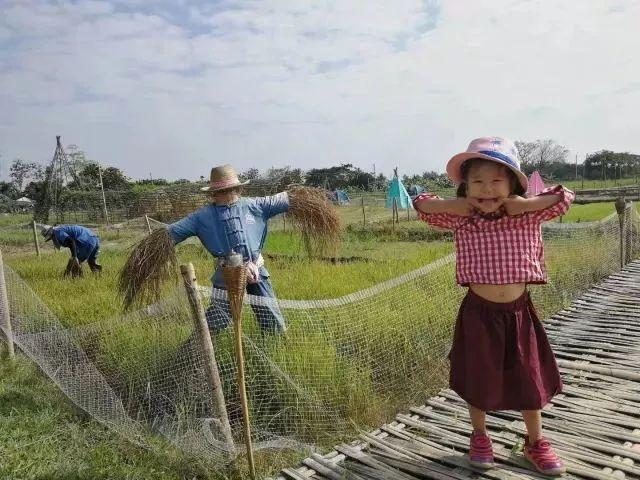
(549, 204)
(444, 214)
(434, 204)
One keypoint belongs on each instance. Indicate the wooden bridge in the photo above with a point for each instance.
(594, 424)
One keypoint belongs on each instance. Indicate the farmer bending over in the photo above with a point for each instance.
(83, 243)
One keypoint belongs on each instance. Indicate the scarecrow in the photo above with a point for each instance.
(83, 243)
(231, 224)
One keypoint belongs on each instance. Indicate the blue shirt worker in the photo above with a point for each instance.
(83, 243)
(238, 224)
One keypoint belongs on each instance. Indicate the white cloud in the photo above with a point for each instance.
(175, 90)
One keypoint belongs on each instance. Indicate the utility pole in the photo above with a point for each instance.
(104, 200)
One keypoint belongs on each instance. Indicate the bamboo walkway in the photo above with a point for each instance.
(594, 424)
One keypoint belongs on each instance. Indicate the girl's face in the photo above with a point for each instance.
(488, 184)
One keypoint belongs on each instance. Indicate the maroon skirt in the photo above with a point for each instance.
(501, 358)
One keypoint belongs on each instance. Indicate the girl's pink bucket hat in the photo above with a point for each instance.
(496, 149)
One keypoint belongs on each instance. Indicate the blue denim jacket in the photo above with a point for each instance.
(240, 226)
(86, 240)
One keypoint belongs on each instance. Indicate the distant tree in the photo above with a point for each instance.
(112, 177)
(35, 190)
(344, 176)
(8, 189)
(250, 174)
(607, 164)
(540, 154)
(282, 177)
(21, 172)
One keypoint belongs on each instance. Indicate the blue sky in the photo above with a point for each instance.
(171, 88)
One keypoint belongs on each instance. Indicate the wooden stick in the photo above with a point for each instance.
(211, 365)
(5, 313)
(146, 217)
(235, 279)
(364, 216)
(35, 237)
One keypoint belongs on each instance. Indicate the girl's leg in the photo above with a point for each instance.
(533, 421)
(478, 418)
(480, 448)
(537, 449)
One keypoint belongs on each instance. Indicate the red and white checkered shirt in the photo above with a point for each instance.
(496, 248)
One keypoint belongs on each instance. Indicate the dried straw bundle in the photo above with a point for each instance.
(317, 219)
(74, 269)
(151, 263)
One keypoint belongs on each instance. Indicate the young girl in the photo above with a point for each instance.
(500, 358)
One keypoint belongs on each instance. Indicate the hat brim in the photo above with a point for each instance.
(229, 187)
(454, 166)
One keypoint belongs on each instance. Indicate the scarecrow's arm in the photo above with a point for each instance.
(183, 229)
(273, 205)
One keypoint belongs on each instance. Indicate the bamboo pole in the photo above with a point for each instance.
(5, 313)
(235, 279)
(613, 372)
(211, 365)
(620, 209)
(35, 237)
(146, 217)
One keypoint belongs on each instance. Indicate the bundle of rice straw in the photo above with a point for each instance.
(151, 263)
(73, 270)
(317, 219)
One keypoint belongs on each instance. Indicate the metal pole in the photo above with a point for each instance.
(104, 200)
(35, 237)
(620, 209)
(5, 313)
(204, 338)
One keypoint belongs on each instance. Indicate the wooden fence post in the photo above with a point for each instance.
(629, 226)
(5, 313)
(204, 338)
(146, 217)
(35, 237)
(364, 217)
(620, 209)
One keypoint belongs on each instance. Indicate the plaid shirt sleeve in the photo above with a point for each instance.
(560, 208)
(447, 221)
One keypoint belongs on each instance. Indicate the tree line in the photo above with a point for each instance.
(546, 156)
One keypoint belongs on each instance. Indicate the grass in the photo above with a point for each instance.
(597, 184)
(44, 436)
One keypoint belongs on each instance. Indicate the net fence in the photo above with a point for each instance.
(341, 364)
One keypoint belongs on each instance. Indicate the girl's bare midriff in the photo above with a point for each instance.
(499, 293)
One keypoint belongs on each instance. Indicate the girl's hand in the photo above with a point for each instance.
(460, 206)
(516, 205)
(486, 205)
